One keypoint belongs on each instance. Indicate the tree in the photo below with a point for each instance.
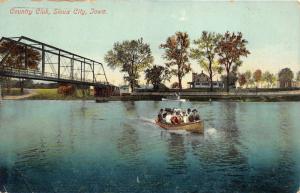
(285, 77)
(205, 54)
(232, 79)
(176, 53)
(242, 79)
(157, 75)
(269, 78)
(230, 49)
(19, 56)
(132, 57)
(248, 77)
(257, 75)
(298, 76)
(175, 85)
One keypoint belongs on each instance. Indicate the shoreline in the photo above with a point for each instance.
(259, 98)
(279, 96)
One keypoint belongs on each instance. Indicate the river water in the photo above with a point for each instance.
(82, 146)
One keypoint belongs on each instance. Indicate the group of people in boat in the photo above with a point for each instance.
(178, 116)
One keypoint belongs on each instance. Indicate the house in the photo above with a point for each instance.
(202, 81)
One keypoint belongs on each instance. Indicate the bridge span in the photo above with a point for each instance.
(24, 57)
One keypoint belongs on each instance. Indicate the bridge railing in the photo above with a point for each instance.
(36, 74)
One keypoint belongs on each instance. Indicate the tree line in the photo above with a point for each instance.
(214, 52)
(267, 79)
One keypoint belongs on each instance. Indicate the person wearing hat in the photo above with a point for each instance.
(196, 115)
(191, 117)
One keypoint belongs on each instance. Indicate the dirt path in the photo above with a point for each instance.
(29, 94)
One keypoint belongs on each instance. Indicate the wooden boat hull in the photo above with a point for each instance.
(195, 127)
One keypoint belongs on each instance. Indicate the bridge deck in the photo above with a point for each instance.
(37, 75)
(80, 70)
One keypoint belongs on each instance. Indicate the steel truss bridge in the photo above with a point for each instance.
(53, 64)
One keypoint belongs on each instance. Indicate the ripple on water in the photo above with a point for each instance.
(116, 147)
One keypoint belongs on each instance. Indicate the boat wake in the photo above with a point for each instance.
(210, 132)
(147, 120)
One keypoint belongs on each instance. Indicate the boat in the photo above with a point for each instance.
(193, 127)
(175, 97)
(168, 99)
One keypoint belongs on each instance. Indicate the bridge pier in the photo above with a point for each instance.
(84, 89)
(102, 94)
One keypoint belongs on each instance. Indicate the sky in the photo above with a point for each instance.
(272, 28)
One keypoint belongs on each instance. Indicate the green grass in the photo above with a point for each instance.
(51, 94)
(46, 94)
(12, 92)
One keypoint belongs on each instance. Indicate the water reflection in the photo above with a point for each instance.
(219, 151)
(176, 153)
(129, 145)
(129, 107)
(83, 147)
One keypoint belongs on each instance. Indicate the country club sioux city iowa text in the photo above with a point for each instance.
(56, 11)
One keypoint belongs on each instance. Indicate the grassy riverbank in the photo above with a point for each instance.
(12, 92)
(52, 94)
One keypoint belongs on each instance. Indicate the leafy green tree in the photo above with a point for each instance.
(230, 49)
(156, 75)
(248, 77)
(205, 54)
(269, 78)
(176, 53)
(285, 77)
(132, 57)
(232, 79)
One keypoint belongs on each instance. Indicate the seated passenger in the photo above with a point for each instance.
(185, 117)
(160, 115)
(191, 118)
(196, 115)
(179, 116)
(168, 118)
(174, 120)
(164, 116)
(188, 112)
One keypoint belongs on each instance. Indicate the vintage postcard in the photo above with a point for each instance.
(149, 96)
